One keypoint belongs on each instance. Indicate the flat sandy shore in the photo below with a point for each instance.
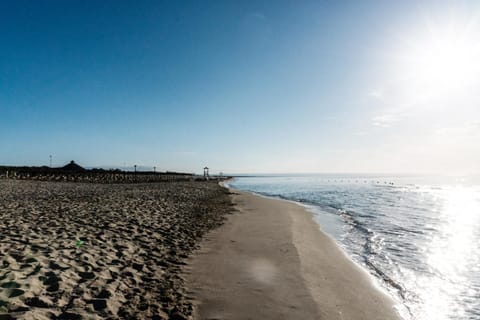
(271, 261)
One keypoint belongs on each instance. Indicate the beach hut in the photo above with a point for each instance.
(73, 167)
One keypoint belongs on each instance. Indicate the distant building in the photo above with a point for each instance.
(73, 167)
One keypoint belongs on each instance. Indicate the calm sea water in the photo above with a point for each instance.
(418, 236)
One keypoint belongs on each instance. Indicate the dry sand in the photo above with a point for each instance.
(271, 261)
(96, 251)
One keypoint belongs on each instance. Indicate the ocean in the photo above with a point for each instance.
(418, 236)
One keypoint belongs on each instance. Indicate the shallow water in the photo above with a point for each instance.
(419, 236)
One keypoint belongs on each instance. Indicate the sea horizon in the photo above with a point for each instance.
(437, 178)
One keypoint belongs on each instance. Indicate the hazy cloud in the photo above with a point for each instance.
(385, 120)
(470, 130)
(376, 94)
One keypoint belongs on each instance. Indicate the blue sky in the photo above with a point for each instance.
(280, 86)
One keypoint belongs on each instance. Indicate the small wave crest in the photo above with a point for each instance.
(370, 249)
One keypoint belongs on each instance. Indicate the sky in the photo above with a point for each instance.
(242, 86)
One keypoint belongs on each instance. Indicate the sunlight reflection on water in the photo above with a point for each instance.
(450, 256)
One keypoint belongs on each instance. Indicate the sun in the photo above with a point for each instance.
(441, 59)
(443, 62)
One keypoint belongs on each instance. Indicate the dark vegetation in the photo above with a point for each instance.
(75, 173)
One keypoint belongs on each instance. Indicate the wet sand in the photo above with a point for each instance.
(271, 261)
(98, 251)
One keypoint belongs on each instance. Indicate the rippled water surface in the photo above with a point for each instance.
(419, 236)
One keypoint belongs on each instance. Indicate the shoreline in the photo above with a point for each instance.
(311, 208)
(266, 262)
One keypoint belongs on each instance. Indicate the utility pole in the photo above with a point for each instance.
(50, 156)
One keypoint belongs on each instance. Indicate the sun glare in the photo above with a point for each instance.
(442, 59)
(449, 255)
(444, 63)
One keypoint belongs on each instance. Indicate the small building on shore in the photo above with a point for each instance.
(73, 167)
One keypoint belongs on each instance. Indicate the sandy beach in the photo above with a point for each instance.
(135, 251)
(101, 251)
(271, 261)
